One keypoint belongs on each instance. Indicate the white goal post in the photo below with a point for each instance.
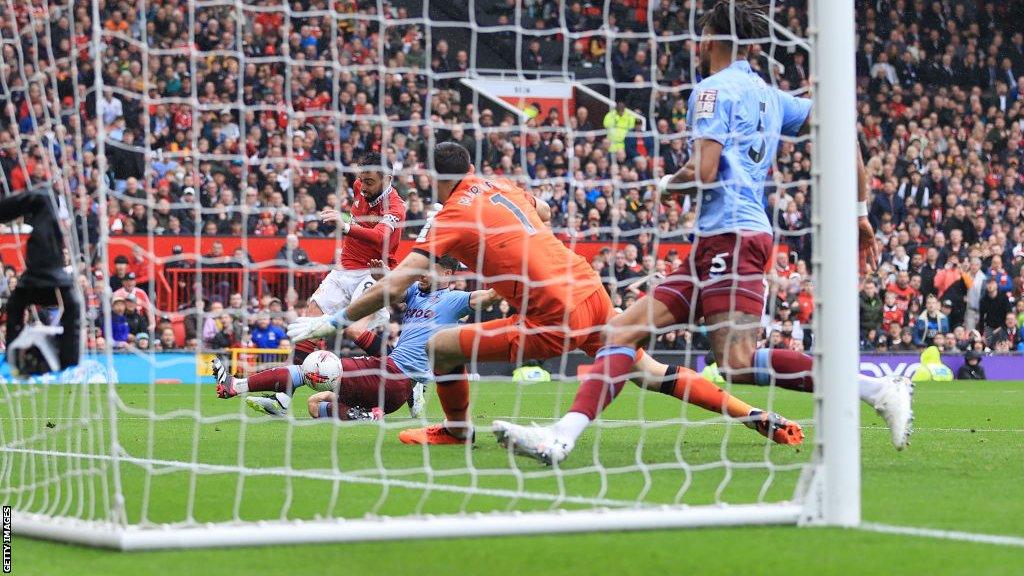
(66, 465)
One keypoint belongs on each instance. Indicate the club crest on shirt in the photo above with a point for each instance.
(706, 102)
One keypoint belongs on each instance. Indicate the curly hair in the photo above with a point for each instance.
(745, 19)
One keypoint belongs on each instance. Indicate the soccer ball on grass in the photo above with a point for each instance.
(322, 371)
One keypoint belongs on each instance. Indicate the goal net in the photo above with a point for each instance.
(192, 146)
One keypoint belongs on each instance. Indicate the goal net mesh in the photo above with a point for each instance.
(186, 140)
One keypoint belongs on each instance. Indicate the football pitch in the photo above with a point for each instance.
(963, 472)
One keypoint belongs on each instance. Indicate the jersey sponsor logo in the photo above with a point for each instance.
(707, 101)
(416, 313)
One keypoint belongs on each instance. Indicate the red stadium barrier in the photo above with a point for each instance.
(177, 286)
(220, 283)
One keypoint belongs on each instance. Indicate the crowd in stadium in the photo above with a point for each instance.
(257, 148)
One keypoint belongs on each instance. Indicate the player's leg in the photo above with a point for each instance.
(333, 294)
(16, 305)
(449, 350)
(691, 387)
(615, 350)
(613, 362)
(372, 387)
(71, 320)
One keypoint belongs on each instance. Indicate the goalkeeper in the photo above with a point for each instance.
(45, 282)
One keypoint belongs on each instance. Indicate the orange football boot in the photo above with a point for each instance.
(431, 435)
(771, 425)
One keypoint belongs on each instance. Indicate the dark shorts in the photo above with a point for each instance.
(369, 382)
(723, 273)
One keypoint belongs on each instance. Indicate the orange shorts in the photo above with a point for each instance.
(519, 337)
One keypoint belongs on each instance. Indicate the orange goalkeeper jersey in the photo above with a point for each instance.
(492, 226)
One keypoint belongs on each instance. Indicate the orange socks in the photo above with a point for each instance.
(689, 386)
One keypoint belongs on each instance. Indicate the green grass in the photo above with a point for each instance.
(963, 472)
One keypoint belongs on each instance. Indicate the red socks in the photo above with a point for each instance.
(792, 370)
(273, 380)
(604, 380)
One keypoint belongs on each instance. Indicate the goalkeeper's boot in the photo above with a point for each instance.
(225, 382)
(357, 413)
(537, 442)
(433, 435)
(895, 405)
(773, 426)
(417, 400)
(268, 405)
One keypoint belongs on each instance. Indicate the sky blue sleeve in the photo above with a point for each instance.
(794, 113)
(460, 302)
(712, 110)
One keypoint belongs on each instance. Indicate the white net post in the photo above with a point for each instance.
(188, 474)
(836, 366)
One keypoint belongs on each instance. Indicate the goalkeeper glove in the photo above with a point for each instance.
(315, 327)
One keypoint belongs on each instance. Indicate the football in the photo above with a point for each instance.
(322, 371)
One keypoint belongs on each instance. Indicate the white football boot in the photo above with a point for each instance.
(417, 400)
(537, 442)
(266, 405)
(895, 405)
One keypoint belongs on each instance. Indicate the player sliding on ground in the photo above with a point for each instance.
(378, 214)
(736, 121)
(495, 228)
(372, 382)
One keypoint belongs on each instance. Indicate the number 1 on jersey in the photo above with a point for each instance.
(508, 204)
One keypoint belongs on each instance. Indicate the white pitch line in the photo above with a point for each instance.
(694, 423)
(996, 539)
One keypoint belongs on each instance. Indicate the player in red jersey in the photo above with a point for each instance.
(378, 214)
(498, 230)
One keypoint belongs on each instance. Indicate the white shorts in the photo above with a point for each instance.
(341, 287)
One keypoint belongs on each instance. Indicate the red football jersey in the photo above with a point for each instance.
(376, 229)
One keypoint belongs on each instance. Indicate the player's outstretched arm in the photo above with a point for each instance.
(390, 289)
(702, 169)
(480, 299)
(865, 232)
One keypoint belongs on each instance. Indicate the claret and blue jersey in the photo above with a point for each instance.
(425, 314)
(737, 109)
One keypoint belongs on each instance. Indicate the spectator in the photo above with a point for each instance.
(971, 369)
(292, 253)
(619, 123)
(265, 334)
(167, 341)
(870, 307)
(137, 322)
(1008, 332)
(119, 330)
(930, 323)
(892, 313)
(992, 308)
